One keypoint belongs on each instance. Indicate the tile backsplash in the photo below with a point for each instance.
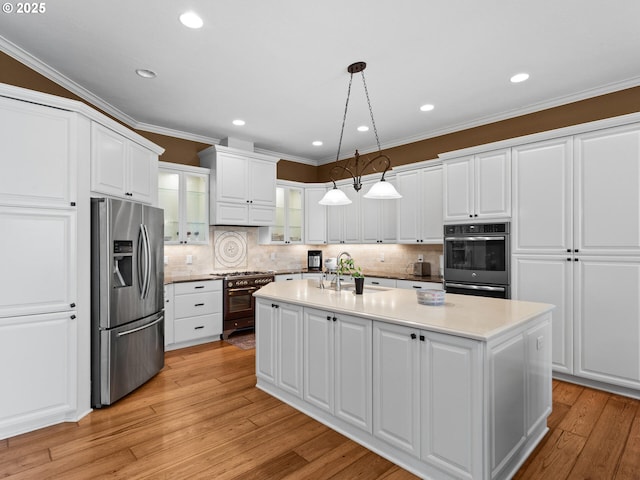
(378, 258)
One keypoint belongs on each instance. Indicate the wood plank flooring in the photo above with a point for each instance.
(203, 418)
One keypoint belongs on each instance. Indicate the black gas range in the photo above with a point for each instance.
(238, 302)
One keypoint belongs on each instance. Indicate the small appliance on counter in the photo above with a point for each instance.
(314, 260)
(422, 269)
(331, 264)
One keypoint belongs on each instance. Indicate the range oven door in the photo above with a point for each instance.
(239, 303)
(480, 260)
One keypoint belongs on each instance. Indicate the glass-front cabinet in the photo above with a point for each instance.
(289, 217)
(183, 193)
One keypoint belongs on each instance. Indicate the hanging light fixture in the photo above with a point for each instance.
(382, 189)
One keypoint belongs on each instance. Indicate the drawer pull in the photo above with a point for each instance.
(199, 286)
(199, 305)
(199, 328)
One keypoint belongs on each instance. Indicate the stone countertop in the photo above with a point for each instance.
(394, 276)
(197, 277)
(479, 318)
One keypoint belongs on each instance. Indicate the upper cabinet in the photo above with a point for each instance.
(315, 216)
(378, 217)
(419, 214)
(289, 217)
(183, 193)
(122, 168)
(343, 221)
(478, 187)
(242, 186)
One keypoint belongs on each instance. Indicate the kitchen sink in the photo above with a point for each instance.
(351, 287)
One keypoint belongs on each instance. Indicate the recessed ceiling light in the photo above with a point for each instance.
(427, 107)
(239, 122)
(363, 128)
(519, 77)
(144, 73)
(191, 20)
(316, 143)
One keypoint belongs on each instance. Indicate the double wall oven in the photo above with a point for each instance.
(476, 259)
(238, 303)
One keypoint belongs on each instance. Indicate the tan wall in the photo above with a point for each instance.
(185, 151)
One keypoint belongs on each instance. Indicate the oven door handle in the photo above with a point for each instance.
(472, 239)
(232, 291)
(485, 288)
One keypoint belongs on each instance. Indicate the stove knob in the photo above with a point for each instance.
(230, 284)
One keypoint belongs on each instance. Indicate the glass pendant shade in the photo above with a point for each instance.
(334, 197)
(382, 190)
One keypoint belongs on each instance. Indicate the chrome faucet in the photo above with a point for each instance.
(338, 287)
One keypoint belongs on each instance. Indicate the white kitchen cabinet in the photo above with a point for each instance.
(183, 194)
(38, 260)
(242, 186)
(396, 386)
(289, 218)
(343, 221)
(169, 315)
(380, 282)
(40, 143)
(416, 284)
(378, 217)
(121, 167)
(549, 279)
(283, 277)
(478, 187)
(337, 365)
(279, 348)
(419, 213)
(38, 367)
(607, 304)
(197, 312)
(315, 216)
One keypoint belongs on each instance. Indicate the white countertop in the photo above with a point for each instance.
(468, 316)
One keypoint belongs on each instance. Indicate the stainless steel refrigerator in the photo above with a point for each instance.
(127, 297)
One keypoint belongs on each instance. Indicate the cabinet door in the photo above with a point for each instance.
(335, 222)
(289, 348)
(108, 161)
(549, 279)
(410, 207)
(142, 174)
(492, 192)
(431, 220)
(319, 358)
(39, 144)
(169, 200)
(195, 193)
(262, 185)
(351, 225)
(38, 258)
(231, 213)
(38, 357)
(608, 319)
(371, 217)
(353, 371)
(459, 189)
(607, 191)
(232, 173)
(265, 341)
(315, 217)
(168, 315)
(451, 403)
(543, 197)
(396, 389)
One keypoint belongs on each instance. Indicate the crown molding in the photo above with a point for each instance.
(146, 127)
(286, 156)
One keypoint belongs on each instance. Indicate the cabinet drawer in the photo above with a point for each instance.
(198, 287)
(412, 284)
(380, 282)
(196, 304)
(192, 328)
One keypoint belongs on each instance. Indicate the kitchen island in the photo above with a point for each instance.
(458, 391)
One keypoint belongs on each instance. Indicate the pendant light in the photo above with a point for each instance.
(382, 190)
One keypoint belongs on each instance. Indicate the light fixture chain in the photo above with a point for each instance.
(373, 122)
(344, 118)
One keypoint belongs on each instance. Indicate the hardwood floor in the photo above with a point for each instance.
(202, 417)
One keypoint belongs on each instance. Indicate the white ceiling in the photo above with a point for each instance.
(280, 65)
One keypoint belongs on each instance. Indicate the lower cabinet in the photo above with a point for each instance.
(337, 365)
(279, 345)
(197, 313)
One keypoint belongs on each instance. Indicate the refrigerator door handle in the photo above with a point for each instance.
(139, 260)
(134, 330)
(147, 251)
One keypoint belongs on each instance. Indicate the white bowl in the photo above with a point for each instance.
(429, 296)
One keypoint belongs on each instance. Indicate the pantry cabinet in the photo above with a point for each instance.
(419, 212)
(121, 167)
(183, 194)
(478, 187)
(242, 186)
(337, 365)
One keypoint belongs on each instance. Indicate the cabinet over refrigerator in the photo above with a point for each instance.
(127, 316)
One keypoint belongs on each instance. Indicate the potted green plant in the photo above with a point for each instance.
(346, 266)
